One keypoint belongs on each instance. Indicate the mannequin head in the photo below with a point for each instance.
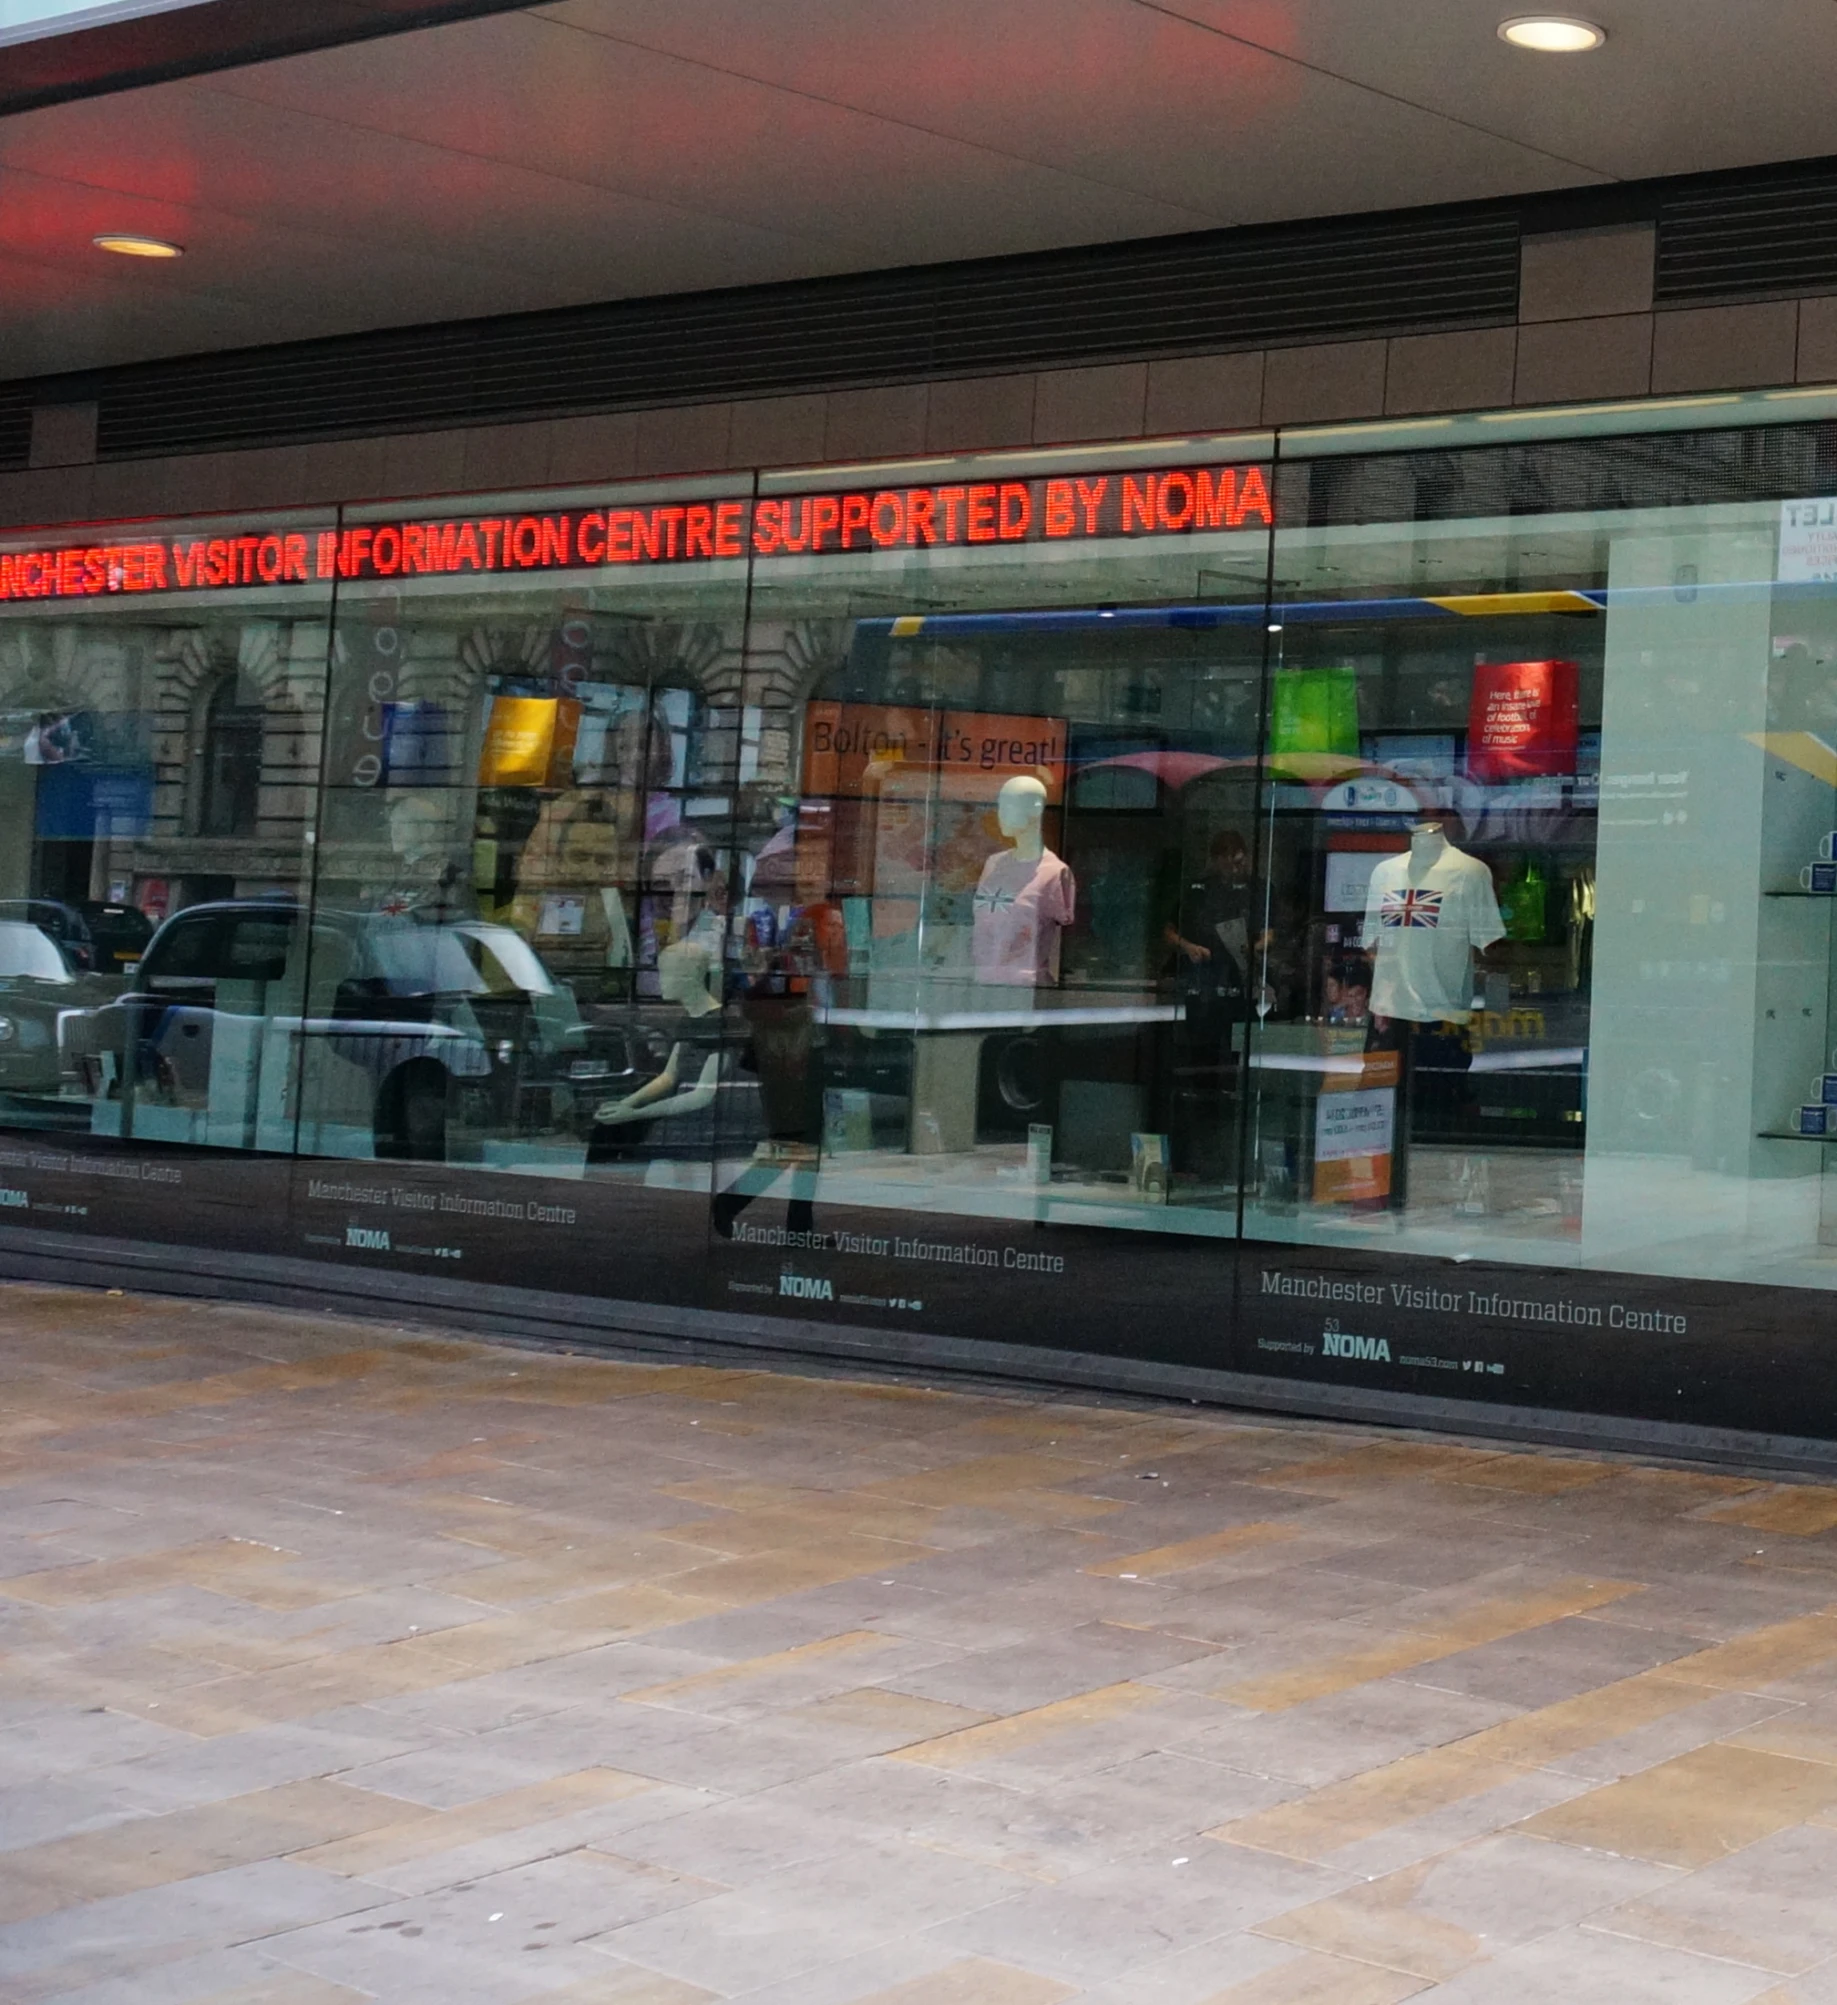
(1020, 808)
(417, 823)
(685, 977)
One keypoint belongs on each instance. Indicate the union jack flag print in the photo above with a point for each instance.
(1411, 908)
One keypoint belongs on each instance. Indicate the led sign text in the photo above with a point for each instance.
(1077, 508)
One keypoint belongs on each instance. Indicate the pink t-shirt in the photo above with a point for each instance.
(1022, 903)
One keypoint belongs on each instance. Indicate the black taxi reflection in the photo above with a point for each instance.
(356, 1033)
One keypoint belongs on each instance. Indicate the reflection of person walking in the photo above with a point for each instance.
(785, 966)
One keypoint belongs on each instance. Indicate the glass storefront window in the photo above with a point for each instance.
(1548, 972)
(161, 696)
(1025, 773)
(1220, 879)
(520, 932)
(1429, 846)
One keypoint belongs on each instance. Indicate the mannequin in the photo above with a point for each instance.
(1026, 896)
(424, 879)
(1427, 914)
(691, 1074)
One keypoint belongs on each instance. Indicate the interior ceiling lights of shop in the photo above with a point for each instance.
(1552, 34)
(130, 244)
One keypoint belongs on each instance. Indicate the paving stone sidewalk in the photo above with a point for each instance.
(344, 1663)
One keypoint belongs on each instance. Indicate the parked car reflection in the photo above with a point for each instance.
(43, 997)
(118, 934)
(363, 1034)
(57, 921)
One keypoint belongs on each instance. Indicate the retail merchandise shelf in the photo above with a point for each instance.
(1792, 1135)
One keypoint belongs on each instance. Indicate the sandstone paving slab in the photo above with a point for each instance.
(910, 1973)
(1767, 1904)
(119, 1935)
(1465, 1906)
(213, 1769)
(1326, 1740)
(227, 1977)
(1584, 1967)
(33, 1813)
(796, 1920)
(1096, 1924)
(1057, 1665)
(75, 1738)
(1538, 1667)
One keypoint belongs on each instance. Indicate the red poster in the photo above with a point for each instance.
(1522, 724)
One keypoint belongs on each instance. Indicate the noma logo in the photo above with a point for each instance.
(806, 1287)
(15, 1200)
(1338, 1343)
(371, 1237)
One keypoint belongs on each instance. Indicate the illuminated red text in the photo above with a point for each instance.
(948, 515)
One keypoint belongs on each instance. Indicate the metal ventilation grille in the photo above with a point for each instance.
(1773, 236)
(15, 431)
(1172, 295)
(1560, 477)
(1241, 290)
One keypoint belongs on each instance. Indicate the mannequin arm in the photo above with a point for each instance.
(660, 1088)
(668, 1103)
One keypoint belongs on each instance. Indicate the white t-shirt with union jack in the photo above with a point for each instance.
(1424, 922)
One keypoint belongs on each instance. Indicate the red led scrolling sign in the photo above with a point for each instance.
(1073, 509)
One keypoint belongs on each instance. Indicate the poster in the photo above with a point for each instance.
(1522, 721)
(853, 750)
(1349, 877)
(1352, 1144)
(1313, 723)
(529, 742)
(1808, 542)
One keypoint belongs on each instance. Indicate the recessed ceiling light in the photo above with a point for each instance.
(1552, 34)
(130, 244)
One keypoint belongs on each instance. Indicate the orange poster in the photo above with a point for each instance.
(978, 750)
(852, 749)
(849, 748)
(1354, 1124)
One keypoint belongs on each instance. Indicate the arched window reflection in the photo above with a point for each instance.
(229, 796)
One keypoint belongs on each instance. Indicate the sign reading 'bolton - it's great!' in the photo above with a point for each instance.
(1076, 508)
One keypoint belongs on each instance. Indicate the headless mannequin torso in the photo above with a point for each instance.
(1429, 911)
